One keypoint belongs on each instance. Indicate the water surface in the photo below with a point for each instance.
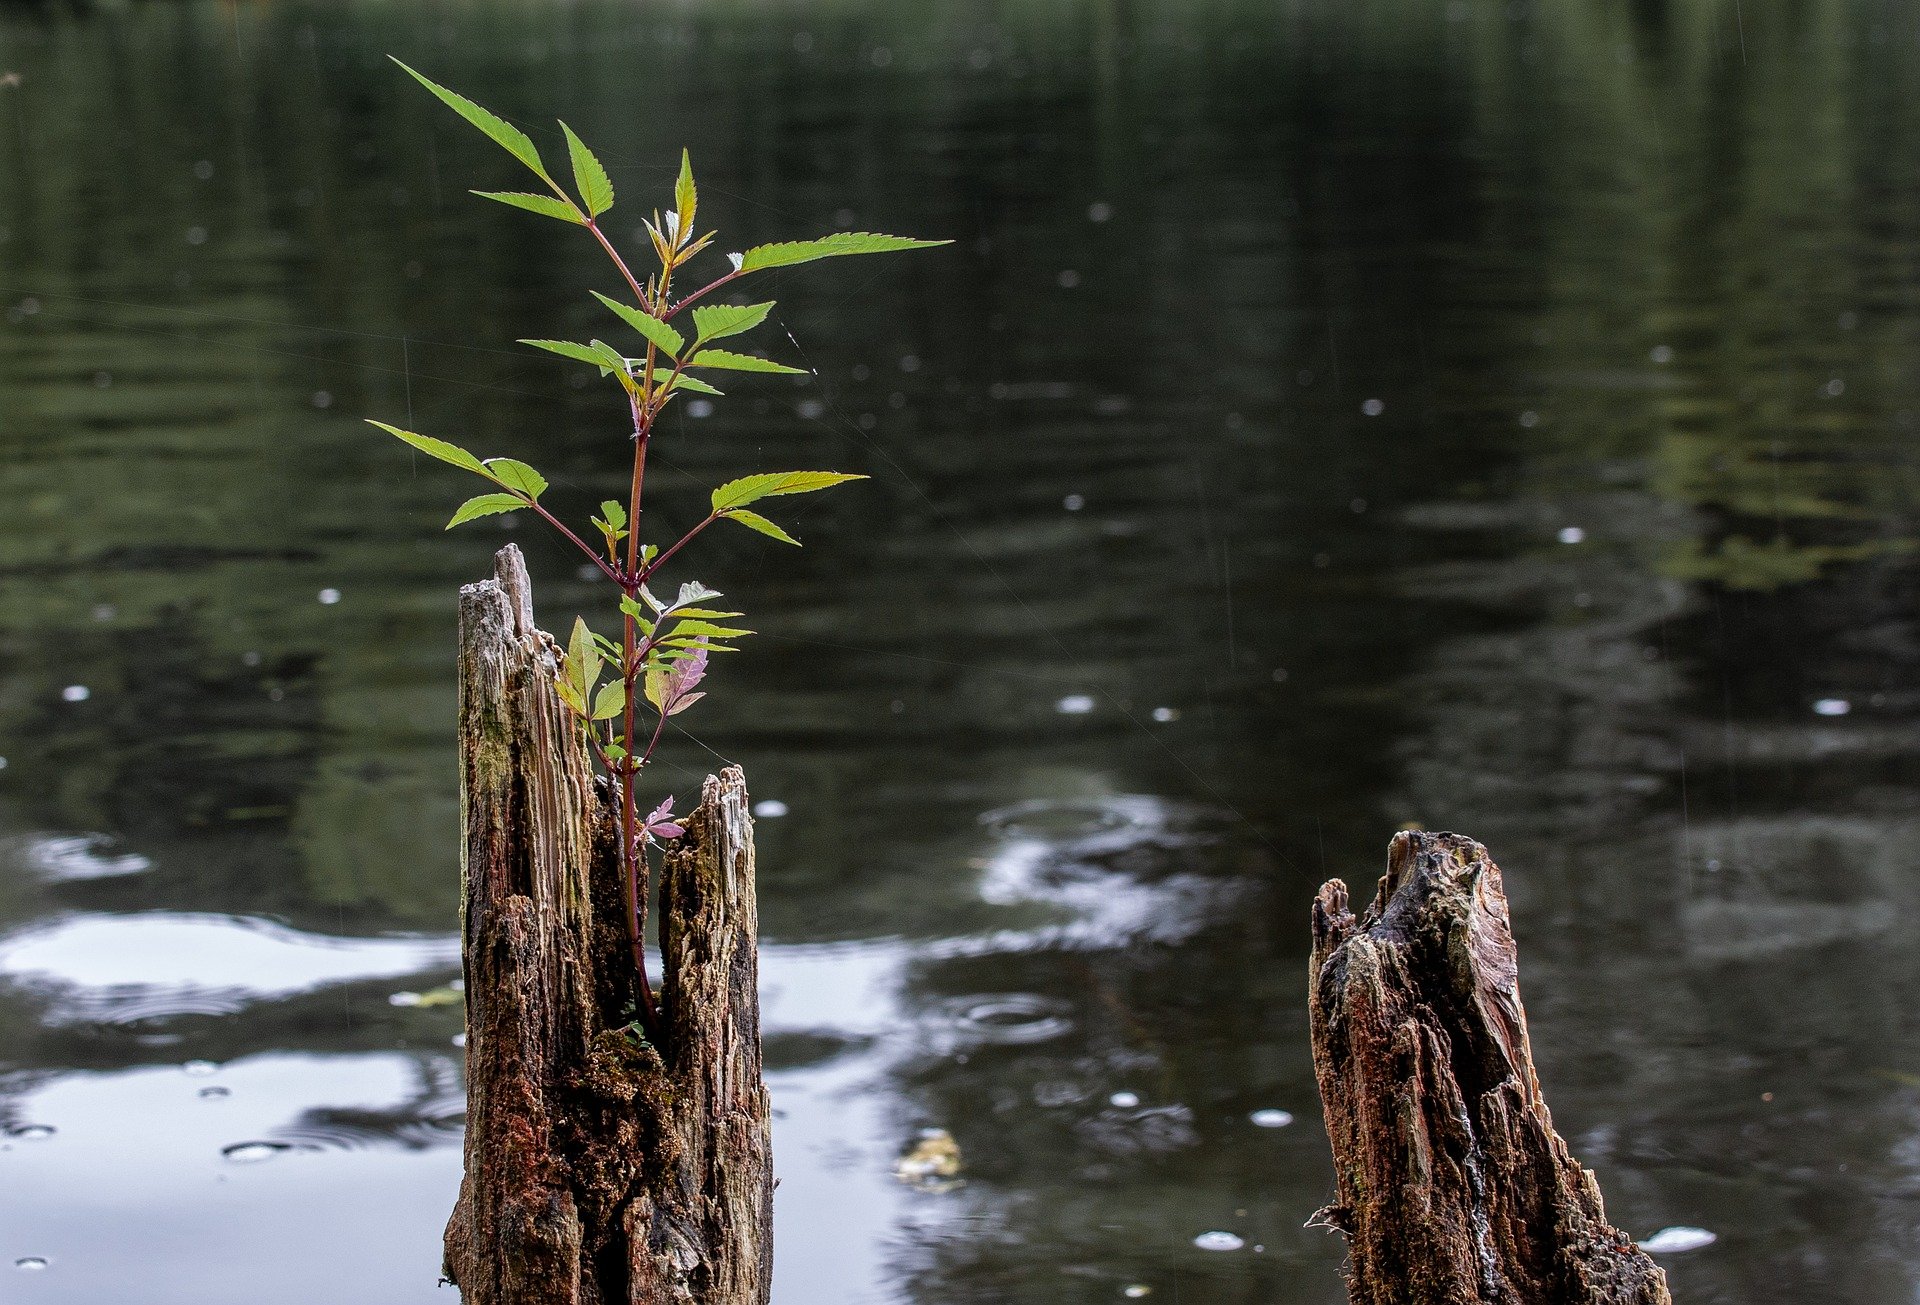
(1492, 416)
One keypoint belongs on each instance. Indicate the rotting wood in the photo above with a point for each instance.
(599, 1169)
(1452, 1186)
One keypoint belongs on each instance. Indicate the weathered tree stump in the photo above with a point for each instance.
(600, 1169)
(1452, 1185)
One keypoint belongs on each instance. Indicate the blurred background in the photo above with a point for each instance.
(1493, 415)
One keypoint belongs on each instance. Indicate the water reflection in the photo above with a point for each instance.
(1494, 416)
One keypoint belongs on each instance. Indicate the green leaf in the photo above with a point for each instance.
(789, 252)
(503, 133)
(754, 521)
(656, 332)
(596, 187)
(691, 384)
(452, 454)
(611, 360)
(544, 205)
(615, 514)
(656, 686)
(516, 476)
(571, 696)
(739, 493)
(585, 353)
(703, 614)
(583, 658)
(707, 629)
(610, 701)
(717, 321)
(741, 362)
(685, 198)
(486, 505)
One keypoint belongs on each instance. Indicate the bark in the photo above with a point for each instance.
(1452, 1186)
(599, 1169)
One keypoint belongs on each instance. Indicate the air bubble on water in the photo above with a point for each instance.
(403, 999)
(1373, 407)
(1849, 320)
(203, 169)
(30, 1263)
(810, 409)
(196, 235)
(1099, 211)
(3, 763)
(1219, 1241)
(1279, 675)
(1832, 707)
(769, 808)
(1069, 279)
(1358, 506)
(880, 57)
(1529, 419)
(199, 1068)
(215, 1093)
(1074, 502)
(588, 571)
(459, 1039)
(980, 60)
(1674, 1240)
(1271, 1118)
(1124, 1100)
(1834, 388)
(253, 1153)
(700, 407)
(322, 399)
(1571, 534)
(1165, 714)
(802, 42)
(1074, 704)
(1136, 1291)
(105, 611)
(1661, 353)
(328, 597)
(31, 1132)
(910, 363)
(102, 380)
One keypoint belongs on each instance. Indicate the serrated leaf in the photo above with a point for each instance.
(707, 629)
(610, 701)
(503, 133)
(485, 505)
(685, 701)
(652, 329)
(612, 360)
(571, 696)
(742, 362)
(615, 514)
(748, 489)
(754, 521)
(685, 198)
(692, 591)
(517, 476)
(691, 384)
(596, 187)
(452, 454)
(544, 205)
(788, 252)
(583, 659)
(704, 614)
(717, 321)
(585, 353)
(655, 686)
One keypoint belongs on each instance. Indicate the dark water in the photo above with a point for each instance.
(1496, 416)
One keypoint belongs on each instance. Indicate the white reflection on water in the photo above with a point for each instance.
(159, 963)
(141, 1152)
(62, 857)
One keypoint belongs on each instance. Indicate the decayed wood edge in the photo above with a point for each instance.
(1452, 1186)
(596, 1172)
